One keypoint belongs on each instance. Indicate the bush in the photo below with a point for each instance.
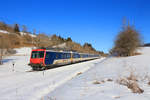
(11, 51)
(131, 84)
(126, 42)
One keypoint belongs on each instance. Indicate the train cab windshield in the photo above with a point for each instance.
(37, 54)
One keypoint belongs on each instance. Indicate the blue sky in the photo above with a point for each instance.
(93, 21)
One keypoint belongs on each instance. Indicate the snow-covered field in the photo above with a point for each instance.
(91, 80)
(101, 81)
(20, 83)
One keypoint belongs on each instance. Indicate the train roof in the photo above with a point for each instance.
(54, 50)
(59, 50)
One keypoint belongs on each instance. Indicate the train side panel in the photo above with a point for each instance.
(50, 57)
(63, 58)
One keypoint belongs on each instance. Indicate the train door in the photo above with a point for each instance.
(50, 57)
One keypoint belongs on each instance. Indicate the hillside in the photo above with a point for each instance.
(111, 79)
(10, 38)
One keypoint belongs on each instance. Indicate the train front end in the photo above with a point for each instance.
(37, 59)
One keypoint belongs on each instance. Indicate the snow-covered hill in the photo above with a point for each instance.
(103, 81)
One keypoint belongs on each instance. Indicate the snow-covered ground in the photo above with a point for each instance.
(24, 33)
(63, 45)
(3, 31)
(91, 80)
(20, 83)
(101, 81)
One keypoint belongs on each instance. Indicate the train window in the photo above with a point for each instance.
(41, 54)
(37, 54)
(65, 56)
(61, 56)
(76, 55)
(68, 55)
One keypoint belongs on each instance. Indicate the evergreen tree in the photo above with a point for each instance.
(69, 39)
(16, 29)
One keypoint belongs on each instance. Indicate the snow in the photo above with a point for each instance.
(3, 31)
(23, 51)
(20, 83)
(74, 82)
(24, 33)
(63, 45)
(82, 87)
(32, 35)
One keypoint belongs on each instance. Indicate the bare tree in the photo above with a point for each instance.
(24, 28)
(34, 31)
(41, 40)
(4, 46)
(127, 41)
